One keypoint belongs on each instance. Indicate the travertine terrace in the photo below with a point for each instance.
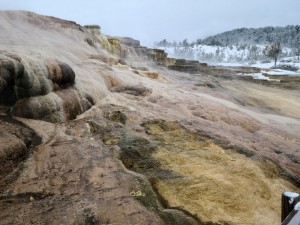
(100, 130)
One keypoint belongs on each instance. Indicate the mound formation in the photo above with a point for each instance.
(100, 130)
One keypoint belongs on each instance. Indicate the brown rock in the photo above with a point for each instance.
(106, 59)
(59, 72)
(133, 89)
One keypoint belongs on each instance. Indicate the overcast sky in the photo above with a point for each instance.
(154, 20)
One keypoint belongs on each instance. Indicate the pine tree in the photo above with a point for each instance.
(253, 50)
(273, 50)
(296, 42)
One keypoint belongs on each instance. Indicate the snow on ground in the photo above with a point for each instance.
(287, 61)
(281, 72)
(234, 56)
(258, 76)
(262, 75)
(263, 66)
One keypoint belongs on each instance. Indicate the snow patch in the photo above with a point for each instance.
(281, 72)
(291, 194)
(231, 55)
(257, 76)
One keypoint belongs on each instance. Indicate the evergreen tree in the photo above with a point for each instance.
(253, 52)
(185, 43)
(273, 50)
(296, 42)
(163, 43)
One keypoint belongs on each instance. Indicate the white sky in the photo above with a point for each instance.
(154, 20)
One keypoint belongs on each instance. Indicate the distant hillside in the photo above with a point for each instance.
(288, 36)
(244, 45)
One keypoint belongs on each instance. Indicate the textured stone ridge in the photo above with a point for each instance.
(126, 47)
(16, 144)
(96, 189)
(129, 41)
(40, 89)
(158, 147)
(190, 66)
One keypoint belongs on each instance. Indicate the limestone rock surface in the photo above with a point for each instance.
(97, 130)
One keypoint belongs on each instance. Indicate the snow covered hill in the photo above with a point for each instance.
(235, 55)
(243, 46)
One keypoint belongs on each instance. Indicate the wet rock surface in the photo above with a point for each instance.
(40, 90)
(17, 142)
(185, 167)
(135, 143)
(55, 189)
(136, 89)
